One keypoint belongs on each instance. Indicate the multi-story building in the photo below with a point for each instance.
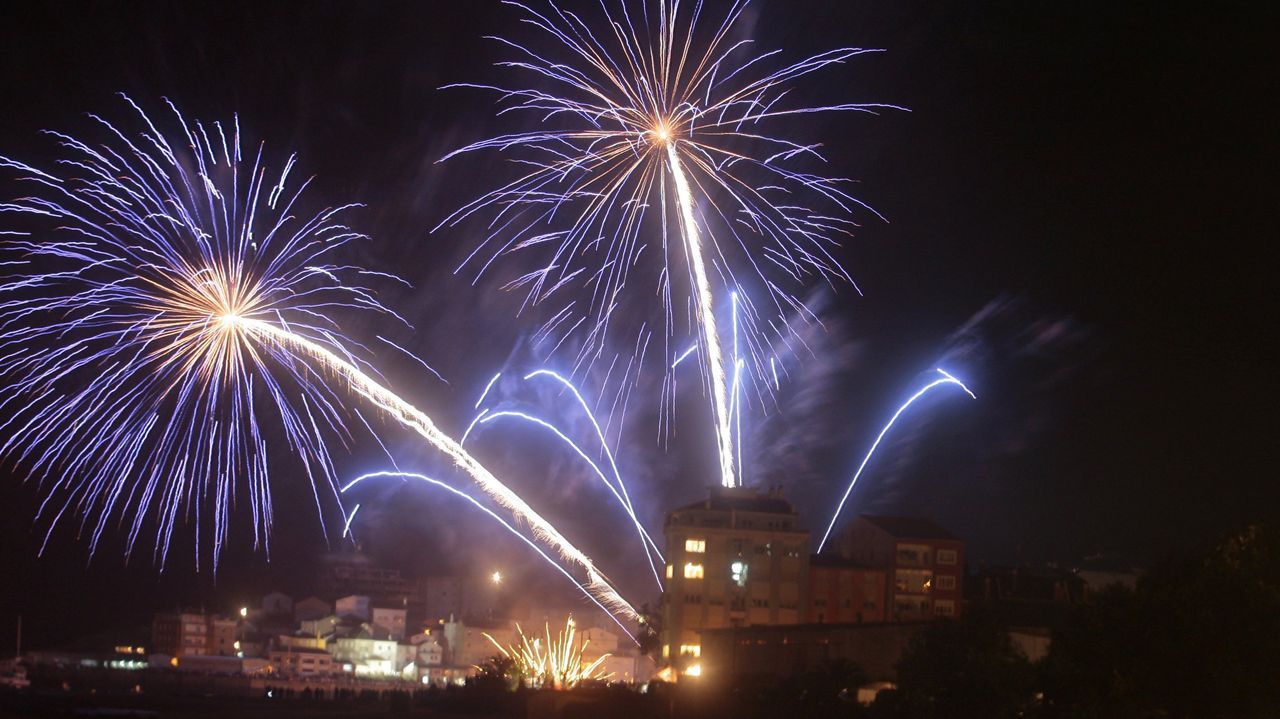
(450, 598)
(736, 558)
(842, 591)
(352, 572)
(185, 634)
(429, 650)
(222, 637)
(924, 564)
(301, 661)
(367, 655)
(180, 634)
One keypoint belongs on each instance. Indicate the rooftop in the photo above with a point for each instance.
(910, 527)
(742, 499)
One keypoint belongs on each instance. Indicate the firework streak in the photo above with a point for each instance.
(944, 380)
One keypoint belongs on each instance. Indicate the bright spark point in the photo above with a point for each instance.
(496, 577)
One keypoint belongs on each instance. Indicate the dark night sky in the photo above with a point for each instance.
(1088, 179)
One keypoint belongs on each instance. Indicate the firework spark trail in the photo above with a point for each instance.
(346, 526)
(681, 357)
(414, 419)
(649, 102)
(737, 391)
(707, 318)
(487, 387)
(506, 525)
(946, 379)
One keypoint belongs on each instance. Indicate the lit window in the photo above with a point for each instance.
(666, 651)
(694, 671)
(946, 556)
(946, 582)
(696, 546)
(692, 571)
(671, 570)
(690, 650)
(738, 571)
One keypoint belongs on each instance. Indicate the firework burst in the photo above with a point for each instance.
(557, 662)
(133, 388)
(651, 113)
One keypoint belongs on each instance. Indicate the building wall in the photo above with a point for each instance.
(762, 654)
(924, 585)
(368, 657)
(285, 641)
(441, 598)
(354, 573)
(311, 608)
(300, 662)
(390, 619)
(631, 668)
(277, 604)
(846, 595)
(920, 585)
(598, 641)
(355, 605)
(221, 637)
(322, 627)
(466, 644)
(430, 653)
